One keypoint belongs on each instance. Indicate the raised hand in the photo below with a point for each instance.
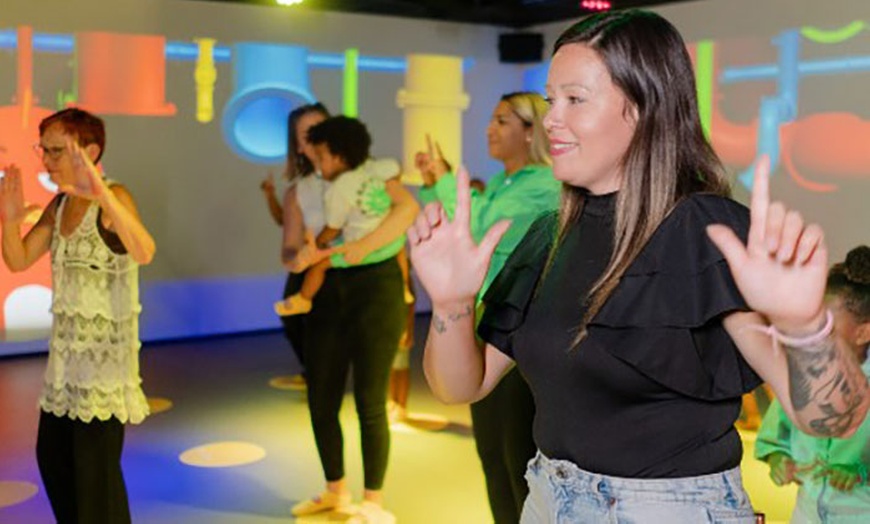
(87, 181)
(12, 208)
(431, 163)
(448, 262)
(781, 271)
(268, 183)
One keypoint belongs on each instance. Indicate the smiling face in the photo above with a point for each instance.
(331, 165)
(590, 123)
(507, 135)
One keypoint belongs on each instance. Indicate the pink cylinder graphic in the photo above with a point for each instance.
(122, 74)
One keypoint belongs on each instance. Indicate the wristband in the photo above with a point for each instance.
(805, 342)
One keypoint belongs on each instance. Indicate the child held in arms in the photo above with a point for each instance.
(355, 204)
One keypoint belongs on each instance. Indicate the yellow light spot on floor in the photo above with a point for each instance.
(15, 492)
(222, 455)
(159, 405)
(289, 382)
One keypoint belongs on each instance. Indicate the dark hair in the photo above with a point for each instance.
(668, 157)
(85, 127)
(850, 280)
(345, 137)
(299, 165)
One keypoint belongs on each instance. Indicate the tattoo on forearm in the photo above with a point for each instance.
(817, 381)
(440, 324)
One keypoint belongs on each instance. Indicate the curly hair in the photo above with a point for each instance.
(345, 137)
(850, 280)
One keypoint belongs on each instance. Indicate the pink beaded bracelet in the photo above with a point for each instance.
(797, 342)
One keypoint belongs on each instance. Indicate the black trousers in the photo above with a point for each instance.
(294, 324)
(80, 466)
(355, 323)
(502, 424)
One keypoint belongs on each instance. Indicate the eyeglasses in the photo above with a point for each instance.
(51, 152)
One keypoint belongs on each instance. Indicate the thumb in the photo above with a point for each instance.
(494, 236)
(732, 248)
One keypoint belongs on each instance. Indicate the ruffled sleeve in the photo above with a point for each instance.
(507, 299)
(664, 317)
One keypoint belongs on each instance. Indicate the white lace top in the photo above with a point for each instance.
(93, 358)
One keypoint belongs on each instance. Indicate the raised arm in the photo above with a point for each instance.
(119, 211)
(452, 267)
(19, 253)
(781, 273)
(267, 186)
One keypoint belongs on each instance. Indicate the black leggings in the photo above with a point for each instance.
(356, 322)
(502, 424)
(80, 465)
(294, 324)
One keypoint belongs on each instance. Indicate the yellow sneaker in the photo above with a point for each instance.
(326, 501)
(293, 305)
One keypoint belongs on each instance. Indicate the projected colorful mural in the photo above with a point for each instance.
(817, 146)
(791, 97)
(125, 74)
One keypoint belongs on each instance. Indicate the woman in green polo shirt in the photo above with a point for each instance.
(521, 192)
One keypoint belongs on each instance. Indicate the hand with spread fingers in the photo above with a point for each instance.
(12, 207)
(448, 262)
(87, 181)
(782, 269)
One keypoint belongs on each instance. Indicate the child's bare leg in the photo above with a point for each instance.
(300, 303)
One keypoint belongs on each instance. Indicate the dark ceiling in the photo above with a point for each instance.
(509, 13)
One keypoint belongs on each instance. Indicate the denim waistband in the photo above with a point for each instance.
(713, 487)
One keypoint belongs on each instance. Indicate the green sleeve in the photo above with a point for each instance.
(444, 191)
(427, 195)
(775, 432)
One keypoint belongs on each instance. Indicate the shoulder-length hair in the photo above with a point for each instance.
(299, 165)
(668, 157)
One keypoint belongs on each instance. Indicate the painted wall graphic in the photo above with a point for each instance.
(817, 147)
(125, 74)
(216, 109)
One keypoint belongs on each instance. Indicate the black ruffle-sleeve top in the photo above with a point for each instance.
(654, 389)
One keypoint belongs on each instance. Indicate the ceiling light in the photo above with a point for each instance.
(596, 5)
(288, 2)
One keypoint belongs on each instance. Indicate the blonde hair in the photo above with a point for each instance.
(530, 108)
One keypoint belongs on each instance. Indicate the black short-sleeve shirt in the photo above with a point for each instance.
(654, 389)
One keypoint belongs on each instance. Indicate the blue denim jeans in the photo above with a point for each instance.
(562, 493)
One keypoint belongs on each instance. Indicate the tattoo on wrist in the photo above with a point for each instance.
(440, 324)
(816, 379)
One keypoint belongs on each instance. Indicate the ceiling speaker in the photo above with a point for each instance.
(520, 48)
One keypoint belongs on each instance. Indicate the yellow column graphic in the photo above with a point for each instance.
(205, 76)
(433, 101)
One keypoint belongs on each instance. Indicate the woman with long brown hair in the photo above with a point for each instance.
(644, 309)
